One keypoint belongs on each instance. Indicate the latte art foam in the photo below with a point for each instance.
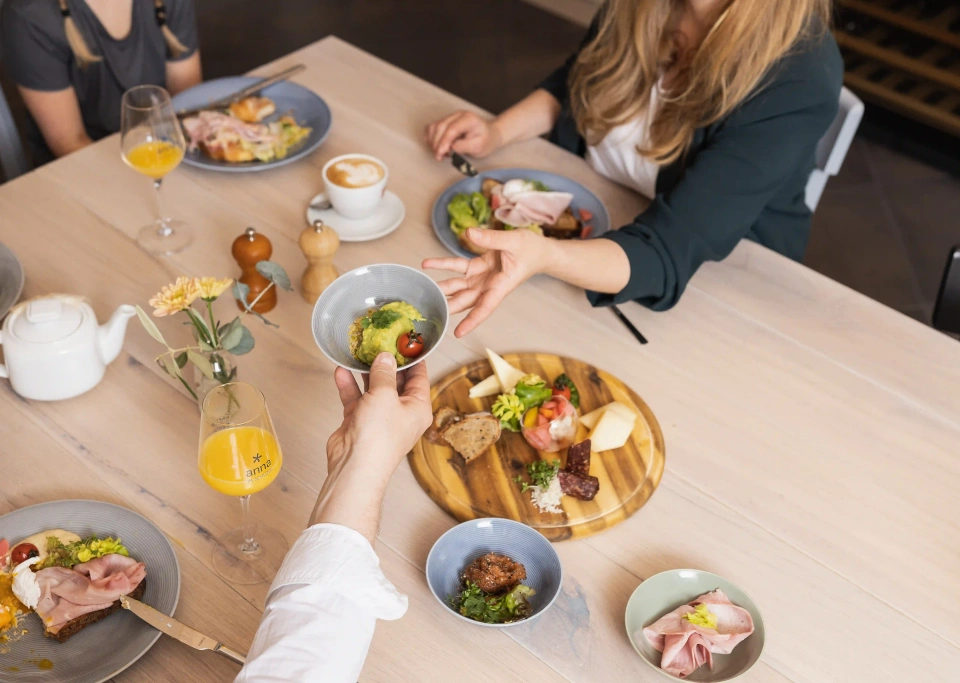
(355, 172)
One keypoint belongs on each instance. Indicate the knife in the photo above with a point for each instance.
(181, 632)
(246, 92)
(462, 165)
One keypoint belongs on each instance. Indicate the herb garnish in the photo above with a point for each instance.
(541, 474)
(383, 319)
(476, 604)
(564, 381)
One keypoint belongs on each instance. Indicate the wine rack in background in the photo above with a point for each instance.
(904, 55)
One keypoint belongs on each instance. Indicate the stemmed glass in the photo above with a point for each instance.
(239, 456)
(152, 143)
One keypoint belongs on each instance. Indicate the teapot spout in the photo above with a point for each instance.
(111, 334)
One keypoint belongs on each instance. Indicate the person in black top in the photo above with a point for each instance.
(72, 60)
(711, 108)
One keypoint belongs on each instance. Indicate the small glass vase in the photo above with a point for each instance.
(224, 367)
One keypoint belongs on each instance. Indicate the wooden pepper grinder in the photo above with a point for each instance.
(249, 249)
(319, 243)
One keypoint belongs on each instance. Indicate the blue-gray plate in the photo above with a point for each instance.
(465, 542)
(304, 105)
(11, 280)
(582, 199)
(352, 294)
(106, 648)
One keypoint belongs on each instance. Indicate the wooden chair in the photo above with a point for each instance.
(13, 160)
(834, 145)
(946, 312)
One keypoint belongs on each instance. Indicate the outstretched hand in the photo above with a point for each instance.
(511, 258)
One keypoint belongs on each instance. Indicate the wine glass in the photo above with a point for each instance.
(151, 142)
(239, 456)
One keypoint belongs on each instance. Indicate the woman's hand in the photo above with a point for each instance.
(463, 132)
(512, 257)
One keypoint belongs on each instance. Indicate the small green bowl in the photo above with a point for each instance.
(663, 593)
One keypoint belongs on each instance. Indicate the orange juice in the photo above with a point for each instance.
(154, 159)
(240, 461)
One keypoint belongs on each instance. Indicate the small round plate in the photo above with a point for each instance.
(304, 105)
(11, 280)
(582, 199)
(107, 647)
(387, 218)
(663, 593)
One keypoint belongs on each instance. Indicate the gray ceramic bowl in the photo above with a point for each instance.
(352, 294)
(11, 280)
(466, 542)
(663, 593)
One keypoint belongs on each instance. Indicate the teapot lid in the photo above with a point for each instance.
(43, 321)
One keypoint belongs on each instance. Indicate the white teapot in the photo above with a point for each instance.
(53, 348)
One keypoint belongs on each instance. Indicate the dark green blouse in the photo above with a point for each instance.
(744, 176)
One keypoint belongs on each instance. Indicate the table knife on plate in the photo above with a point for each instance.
(181, 632)
(224, 102)
(461, 164)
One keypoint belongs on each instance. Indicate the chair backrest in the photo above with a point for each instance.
(834, 145)
(946, 312)
(13, 161)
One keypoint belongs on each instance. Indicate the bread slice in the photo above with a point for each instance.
(472, 435)
(443, 418)
(253, 109)
(76, 625)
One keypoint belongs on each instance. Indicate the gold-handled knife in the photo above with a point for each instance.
(181, 632)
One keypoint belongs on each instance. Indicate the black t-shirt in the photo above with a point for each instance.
(36, 54)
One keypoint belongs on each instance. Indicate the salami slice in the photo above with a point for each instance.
(578, 458)
(578, 485)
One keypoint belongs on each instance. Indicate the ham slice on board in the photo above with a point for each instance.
(66, 594)
(686, 646)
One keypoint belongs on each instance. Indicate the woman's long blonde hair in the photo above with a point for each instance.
(613, 77)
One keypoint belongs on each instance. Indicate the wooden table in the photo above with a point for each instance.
(813, 435)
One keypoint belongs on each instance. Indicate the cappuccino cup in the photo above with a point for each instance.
(354, 184)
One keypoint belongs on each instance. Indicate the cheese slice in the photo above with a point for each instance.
(507, 375)
(612, 431)
(488, 387)
(591, 419)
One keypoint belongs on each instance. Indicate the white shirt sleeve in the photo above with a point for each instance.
(321, 610)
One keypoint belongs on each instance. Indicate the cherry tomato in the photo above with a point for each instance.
(585, 215)
(410, 345)
(562, 391)
(23, 552)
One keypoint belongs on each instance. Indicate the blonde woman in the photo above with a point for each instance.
(72, 60)
(711, 108)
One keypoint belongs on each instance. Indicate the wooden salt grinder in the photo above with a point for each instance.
(249, 249)
(319, 243)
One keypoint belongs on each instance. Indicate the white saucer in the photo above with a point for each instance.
(387, 218)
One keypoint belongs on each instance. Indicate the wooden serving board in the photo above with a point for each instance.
(485, 488)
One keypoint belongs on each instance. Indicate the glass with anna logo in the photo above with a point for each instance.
(240, 456)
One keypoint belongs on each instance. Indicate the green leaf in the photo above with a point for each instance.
(181, 359)
(233, 336)
(201, 326)
(203, 365)
(245, 345)
(275, 273)
(170, 366)
(240, 293)
(265, 321)
(150, 327)
(383, 319)
(224, 330)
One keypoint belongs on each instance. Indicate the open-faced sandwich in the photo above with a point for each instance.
(242, 135)
(517, 204)
(68, 581)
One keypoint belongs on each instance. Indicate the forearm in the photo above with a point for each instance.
(61, 147)
(352, 498)
(532, 116)
(596, 265)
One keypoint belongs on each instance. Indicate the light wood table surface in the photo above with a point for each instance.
(813, 435)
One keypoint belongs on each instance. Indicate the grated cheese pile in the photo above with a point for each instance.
(547, 500)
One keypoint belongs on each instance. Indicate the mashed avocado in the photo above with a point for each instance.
(379, 331)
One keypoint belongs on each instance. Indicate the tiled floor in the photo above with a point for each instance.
(883, 227)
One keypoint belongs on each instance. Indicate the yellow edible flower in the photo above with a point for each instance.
(175, 297)
(210, 288)
(701, 617)
(507, 407)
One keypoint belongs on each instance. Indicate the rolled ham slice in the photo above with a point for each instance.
(520, 206)
(686, 646)
(66, 594)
